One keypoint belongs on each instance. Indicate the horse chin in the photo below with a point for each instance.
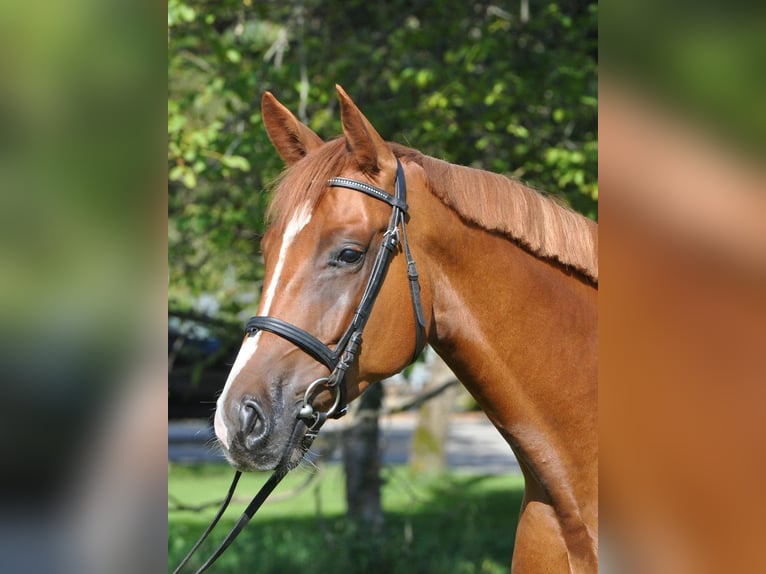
(294, 457)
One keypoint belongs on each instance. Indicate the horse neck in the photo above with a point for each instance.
(520, 334)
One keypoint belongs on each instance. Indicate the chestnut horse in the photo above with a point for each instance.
(505, 291)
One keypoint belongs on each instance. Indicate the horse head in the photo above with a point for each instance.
(321, 250)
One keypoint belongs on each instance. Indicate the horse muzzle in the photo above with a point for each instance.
(257, 436)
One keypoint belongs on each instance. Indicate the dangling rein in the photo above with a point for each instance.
(338, 360)
(258, 500)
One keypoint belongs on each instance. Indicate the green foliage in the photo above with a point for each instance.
(469, 82)
(454, 523)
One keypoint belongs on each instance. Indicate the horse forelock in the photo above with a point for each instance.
(304, 183)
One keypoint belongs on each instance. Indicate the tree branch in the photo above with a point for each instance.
(176, 505)
(420, 399)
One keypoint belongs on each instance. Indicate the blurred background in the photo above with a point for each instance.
(682, 299)
(507, 86)
(82, 277)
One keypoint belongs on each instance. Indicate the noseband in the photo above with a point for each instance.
(336, 360)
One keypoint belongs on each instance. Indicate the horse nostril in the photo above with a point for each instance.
(251, 418)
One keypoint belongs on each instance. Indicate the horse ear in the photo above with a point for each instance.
(370, 150)
(292, 138)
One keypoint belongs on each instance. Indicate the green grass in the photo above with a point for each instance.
(450, 524)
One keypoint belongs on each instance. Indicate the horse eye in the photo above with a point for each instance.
(350, 256)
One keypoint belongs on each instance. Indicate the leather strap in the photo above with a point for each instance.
(276, 477)
(212, 524)
(371, 190)
(417, 304)
(297, 336)
(251, 509)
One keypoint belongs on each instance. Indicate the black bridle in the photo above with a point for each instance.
(336, 360)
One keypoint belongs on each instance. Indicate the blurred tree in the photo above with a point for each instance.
(428, 451)
(362, 462)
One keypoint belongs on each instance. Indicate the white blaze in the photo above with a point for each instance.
(298, 221)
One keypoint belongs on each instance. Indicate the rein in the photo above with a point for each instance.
(336, 360)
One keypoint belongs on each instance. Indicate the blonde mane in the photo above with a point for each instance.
(533, 220)
(491, 201)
